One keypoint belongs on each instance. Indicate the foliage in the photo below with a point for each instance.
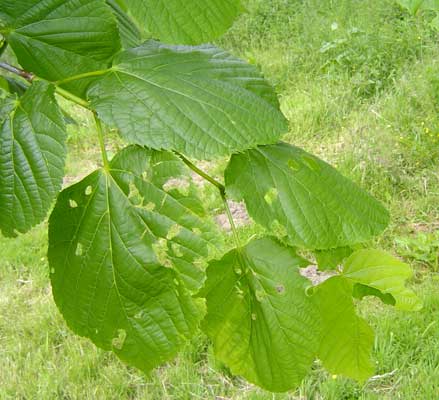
(422, 247)
(129, 243)
(416, 6)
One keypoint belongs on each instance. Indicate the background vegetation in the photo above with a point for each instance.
(359, 83)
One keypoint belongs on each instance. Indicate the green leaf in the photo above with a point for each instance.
(159, 186)
(332, 258)
(360, 291)
(13, 86)
(411, 5)
(8, 103)
(197, 100)
(128, 31)
(379, 270)
(435, 22)
(32, 155)
(56, 39)
(294, 193)
(10, 85)
(347, 340)
(11, 10)
(182, 21)
(111, 280)
(259, 318)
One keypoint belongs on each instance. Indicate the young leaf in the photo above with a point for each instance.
(381, 271)
(110, 280)
(347, 340)
(56, 39)
(197, 100)
(294, 193)
(32, 155)
(182, 21)
(262, 323)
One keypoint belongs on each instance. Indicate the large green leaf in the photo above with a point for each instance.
(32, 155)
(259, 317)
(112, 280)
(347, 340)
(381, 271)
(182, 21)
(197, 100)
(294, 193)
(56, 39)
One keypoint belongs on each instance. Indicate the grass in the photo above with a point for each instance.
(358, 82)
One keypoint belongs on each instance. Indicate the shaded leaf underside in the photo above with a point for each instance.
(130, 35)
(32, 156)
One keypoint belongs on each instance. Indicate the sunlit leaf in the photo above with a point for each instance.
(382, 271)
(346, 339)
(259, 317)
(295, 194)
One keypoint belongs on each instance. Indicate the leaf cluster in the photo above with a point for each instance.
(136, 265)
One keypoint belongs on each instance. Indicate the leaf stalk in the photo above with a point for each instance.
(83, 76)
(101, 142)
(205, 176)
(231, 221)
(222, 190)
(70, 96)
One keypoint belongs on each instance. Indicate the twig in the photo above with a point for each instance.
(17, 71)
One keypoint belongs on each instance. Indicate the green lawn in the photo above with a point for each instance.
(359, 83)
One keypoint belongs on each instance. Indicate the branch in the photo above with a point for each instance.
(101, 142)
(17, 71)
(30, 77)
